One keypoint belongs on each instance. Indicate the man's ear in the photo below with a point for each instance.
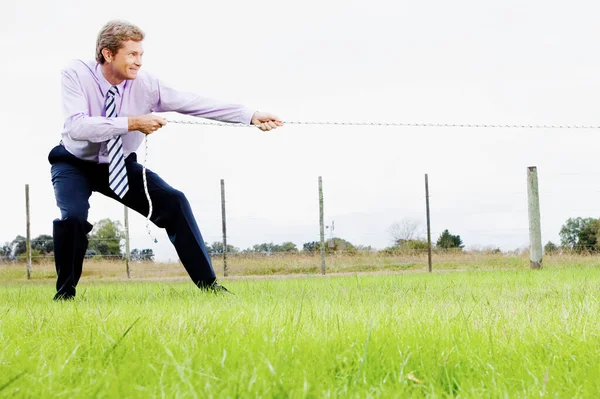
(108, 55)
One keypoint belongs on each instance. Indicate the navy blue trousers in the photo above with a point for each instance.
(74, 180)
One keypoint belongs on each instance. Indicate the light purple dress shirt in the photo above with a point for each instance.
(86, 130)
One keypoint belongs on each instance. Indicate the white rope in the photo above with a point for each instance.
(397, 124)
(146, 190)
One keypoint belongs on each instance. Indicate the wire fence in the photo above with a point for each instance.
(492, 225)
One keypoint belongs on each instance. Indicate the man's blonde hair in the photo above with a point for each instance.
(113, 35)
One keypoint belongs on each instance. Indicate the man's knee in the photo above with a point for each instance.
(176, 201)
(171, 208)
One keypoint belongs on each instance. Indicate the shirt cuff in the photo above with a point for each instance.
(246, 116)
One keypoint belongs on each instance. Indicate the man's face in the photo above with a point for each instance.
(128, 60)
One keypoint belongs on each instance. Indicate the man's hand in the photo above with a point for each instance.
(265, 121)
(146, 124)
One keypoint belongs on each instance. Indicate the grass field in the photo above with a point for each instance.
(479, 333)
(244, 265)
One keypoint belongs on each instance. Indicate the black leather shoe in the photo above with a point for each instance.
(219, 289)
(64, 297)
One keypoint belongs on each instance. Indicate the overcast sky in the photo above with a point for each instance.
(508, 62)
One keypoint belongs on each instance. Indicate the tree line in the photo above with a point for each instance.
(105, 242)
(107, 237)
(577, 235)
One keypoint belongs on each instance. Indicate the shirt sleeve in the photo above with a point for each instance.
(79, 125)
(169, 99)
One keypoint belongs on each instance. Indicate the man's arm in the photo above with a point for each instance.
(169, 99)
(78, 123)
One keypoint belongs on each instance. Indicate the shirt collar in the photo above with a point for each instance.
(105, 85)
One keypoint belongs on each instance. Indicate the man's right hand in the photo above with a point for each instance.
(146, 124)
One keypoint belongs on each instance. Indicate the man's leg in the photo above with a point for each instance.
(171, 211)
(72, 191)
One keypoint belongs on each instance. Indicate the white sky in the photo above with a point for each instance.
(509, 62)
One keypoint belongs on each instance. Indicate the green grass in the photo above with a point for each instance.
(463, 334)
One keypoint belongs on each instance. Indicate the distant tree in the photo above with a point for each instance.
(105, 238)
(145, 255)
(6, 251)
(216, 248)
(447, 240)
(43, 243)
(41, 246)
(311, 246)
(91, 253)
(580, 234)
(550, 248)
(335, 244)
(287, 246)
(265, 247)
(19, 246)
(405, 230)
(338, 244)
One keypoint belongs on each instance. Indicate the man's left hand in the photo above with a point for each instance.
(265, 121)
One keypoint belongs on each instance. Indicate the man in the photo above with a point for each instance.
(107, 106)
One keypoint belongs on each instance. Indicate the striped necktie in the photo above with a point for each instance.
(117, 173)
